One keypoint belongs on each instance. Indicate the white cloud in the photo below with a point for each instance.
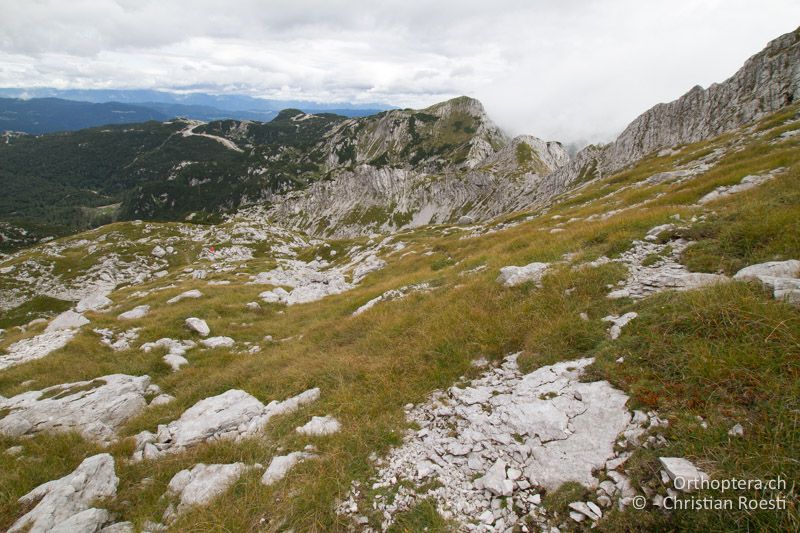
(565, 70)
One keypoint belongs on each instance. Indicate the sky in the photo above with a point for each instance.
(562, 70)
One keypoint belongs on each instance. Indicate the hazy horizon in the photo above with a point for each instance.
(577, 71)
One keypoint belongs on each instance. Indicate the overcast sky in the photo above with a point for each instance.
(560, 69)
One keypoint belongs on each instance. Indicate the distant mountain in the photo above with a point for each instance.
(46, 115)
(198, 106)
(378, 171)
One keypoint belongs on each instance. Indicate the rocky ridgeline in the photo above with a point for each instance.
(768, 82)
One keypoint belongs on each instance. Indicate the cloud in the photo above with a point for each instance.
(567, 70)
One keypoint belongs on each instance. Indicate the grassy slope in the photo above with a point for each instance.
(729, 354)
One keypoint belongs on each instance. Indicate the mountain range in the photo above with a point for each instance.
(406, 322)
(48, 110)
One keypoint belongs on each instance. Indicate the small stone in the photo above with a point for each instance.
(685, 476)
(736, 431)
(161, 399)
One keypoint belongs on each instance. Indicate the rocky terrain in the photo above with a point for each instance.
(559, 354)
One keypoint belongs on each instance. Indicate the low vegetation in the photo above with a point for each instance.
(728, 354)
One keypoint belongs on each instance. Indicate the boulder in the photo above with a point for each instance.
(233, 414)
(158, 251)
(218, 342)
(780, 277)
(137, 312)
(280, 466)
(203, 483)
(194, 293)
(773, 269)
(511, 276)
(198, 325)
(66, 504)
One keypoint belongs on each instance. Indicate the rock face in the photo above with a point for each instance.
(505, 434)
(768, 82)
(203, 483)
(66, 504)
(94, 408)
(392, 156)
(234, 414)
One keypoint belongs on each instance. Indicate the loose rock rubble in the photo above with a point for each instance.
(618, 322)
(94, 408)
(665, 274)
(118, 341)
(234, 414)
(516, 275)
(748, 182)
(506, 435)
(65, 504)
(175, 351)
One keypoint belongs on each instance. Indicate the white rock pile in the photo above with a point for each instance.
(505, 436)
(175, 351)
(666, 274)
